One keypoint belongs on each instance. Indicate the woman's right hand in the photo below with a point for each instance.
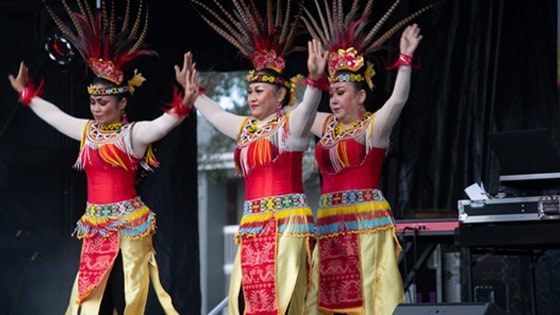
(181, 73)
(19, 82)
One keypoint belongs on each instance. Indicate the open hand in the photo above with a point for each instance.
(316, 60)
(181, 73)
(19, 82)
(410, 39)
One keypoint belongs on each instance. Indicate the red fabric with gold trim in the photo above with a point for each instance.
(339, 273)
(98, 255)
(258, 267)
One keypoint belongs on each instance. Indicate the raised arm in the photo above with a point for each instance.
(387, 115)
(303, 115)
(52, 115)
(226, 122)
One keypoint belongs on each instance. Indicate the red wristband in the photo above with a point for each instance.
(176, 106)
(29, 92)
(322, 83)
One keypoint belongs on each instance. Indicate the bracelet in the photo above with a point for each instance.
(404, 60)
(321, 84)
(29, 92)
(176, 106)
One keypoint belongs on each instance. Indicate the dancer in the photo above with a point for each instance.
(111, 151)
(355, 261)
(271, 267)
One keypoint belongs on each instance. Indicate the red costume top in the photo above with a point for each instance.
(273, 183)
(113, 208)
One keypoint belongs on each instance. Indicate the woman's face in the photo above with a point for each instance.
(264, 99)
(346, 102)
(106, 109)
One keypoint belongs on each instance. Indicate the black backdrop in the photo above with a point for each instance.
(486, 66)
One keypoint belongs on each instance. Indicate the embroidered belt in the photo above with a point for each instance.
(274, 203)
(131, 218)
(291, 212)
(350, 197)
(353, 211)
(113, 209)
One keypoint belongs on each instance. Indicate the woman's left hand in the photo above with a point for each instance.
(410, 39)
(192, 85)
(316, 60)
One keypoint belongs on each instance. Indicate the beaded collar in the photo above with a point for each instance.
(251, 131)
(335, 131)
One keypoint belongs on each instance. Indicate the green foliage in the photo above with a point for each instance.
(219, 85)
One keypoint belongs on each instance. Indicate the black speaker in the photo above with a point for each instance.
(449, 309)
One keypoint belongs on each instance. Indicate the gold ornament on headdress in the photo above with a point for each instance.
(350, 37)
(105, 50)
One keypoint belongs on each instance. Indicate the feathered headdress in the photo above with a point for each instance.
(265, 39)
(105, 50)
(350, 37)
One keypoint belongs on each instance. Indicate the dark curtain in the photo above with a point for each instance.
(485, 66)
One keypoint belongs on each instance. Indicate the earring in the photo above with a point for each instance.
(124, 117)
(278, 109)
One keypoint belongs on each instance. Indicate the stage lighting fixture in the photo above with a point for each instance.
(59, 49)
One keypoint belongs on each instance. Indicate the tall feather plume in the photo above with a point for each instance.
(253, 11)
(310, 25)
(339, 12)
(82, 10)
(286, 22)
(96, 39)
(105, 16)
(90, 16)
(322, 19)
(248, 28)
(383, 38)
(231, 35)
(63, 27)
(278, 18)
(330, 21)
(254, 26)
(380, 23)
(269, 16)
(73, 19)
(112, 22)
(126, 16)
(369, 5)
(136, 26)
(142, 36)
(292, 33)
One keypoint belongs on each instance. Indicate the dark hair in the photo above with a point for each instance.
(271, 72)
(108, 84)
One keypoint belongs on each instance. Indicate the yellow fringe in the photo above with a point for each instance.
(131, 216)
(351, 209)
(150, 157)
(259, 217)
(363, 231)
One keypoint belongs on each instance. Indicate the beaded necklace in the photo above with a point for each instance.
(334, 130)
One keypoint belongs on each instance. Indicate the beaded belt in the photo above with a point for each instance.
(113, 209)
(291, 212)
(350, 197)
(274, 203)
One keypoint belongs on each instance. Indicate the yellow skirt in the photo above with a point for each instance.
(381, 280)
(139, 266)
